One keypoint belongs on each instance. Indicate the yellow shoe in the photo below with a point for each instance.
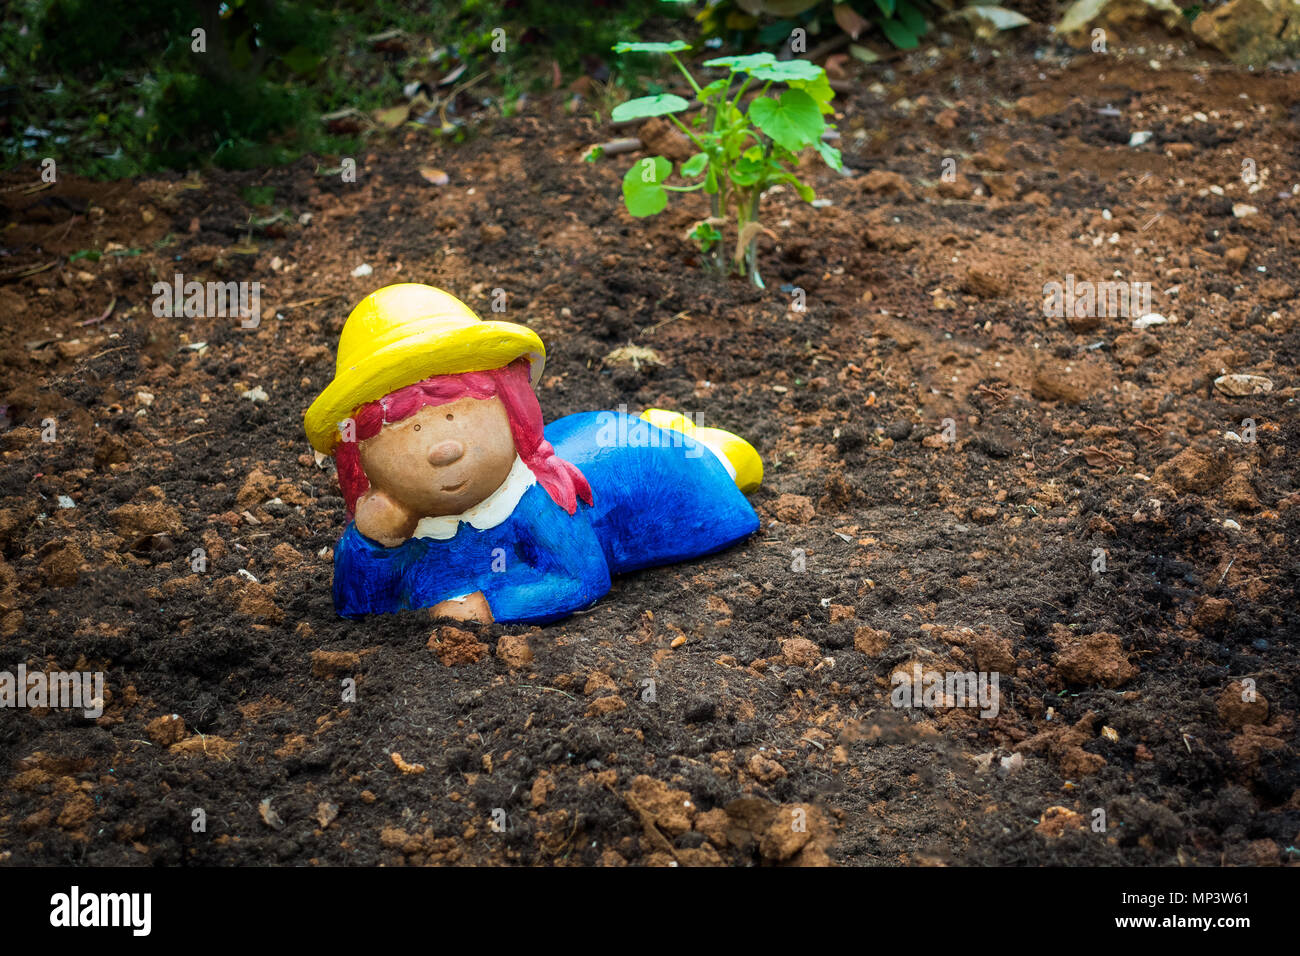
(743, 461)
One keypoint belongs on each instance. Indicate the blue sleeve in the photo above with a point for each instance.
(554, 566)
(367, 576)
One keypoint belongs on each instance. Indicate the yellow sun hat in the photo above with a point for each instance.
(403, 334)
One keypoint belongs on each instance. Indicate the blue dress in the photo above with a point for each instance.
(657, 497)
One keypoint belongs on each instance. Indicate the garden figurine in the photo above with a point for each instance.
(461, 502)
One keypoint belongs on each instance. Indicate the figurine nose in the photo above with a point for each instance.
(444, 453)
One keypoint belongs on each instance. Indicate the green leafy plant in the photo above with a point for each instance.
(745, 148)
(260, 196)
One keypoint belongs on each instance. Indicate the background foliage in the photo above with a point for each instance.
(114, 89)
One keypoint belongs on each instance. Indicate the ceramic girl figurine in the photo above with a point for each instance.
(462, 502)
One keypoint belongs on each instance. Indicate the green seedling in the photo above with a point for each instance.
(745, 147)
(260, 196)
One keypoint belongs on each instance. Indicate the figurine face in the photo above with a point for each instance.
(444, 459)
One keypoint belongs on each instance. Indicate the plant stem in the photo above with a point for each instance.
(751, 253)
(685, 72)
(715, 208)
(741, 92)
(682, 127)
(740, 258)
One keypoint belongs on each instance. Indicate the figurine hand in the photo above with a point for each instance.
(382, 519)
(472, 607)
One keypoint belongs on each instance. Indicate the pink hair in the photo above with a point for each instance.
(561, 479)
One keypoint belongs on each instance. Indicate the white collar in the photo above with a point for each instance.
(488, 513)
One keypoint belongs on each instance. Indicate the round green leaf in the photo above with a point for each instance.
(819, 89)
(899, 35)
(713, 89)
(746, 172)
(711, 181)
(742, 64)
(830, 154)
(695, 165)
(676, 46)
(914, 20)
(643, 190)
(647, 106)
(805, 191)
(793, 122)
(787, 70)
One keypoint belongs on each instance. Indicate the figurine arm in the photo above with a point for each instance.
(557, 567)
(540, 598)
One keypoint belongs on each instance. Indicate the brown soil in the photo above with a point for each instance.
(1120, 690)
